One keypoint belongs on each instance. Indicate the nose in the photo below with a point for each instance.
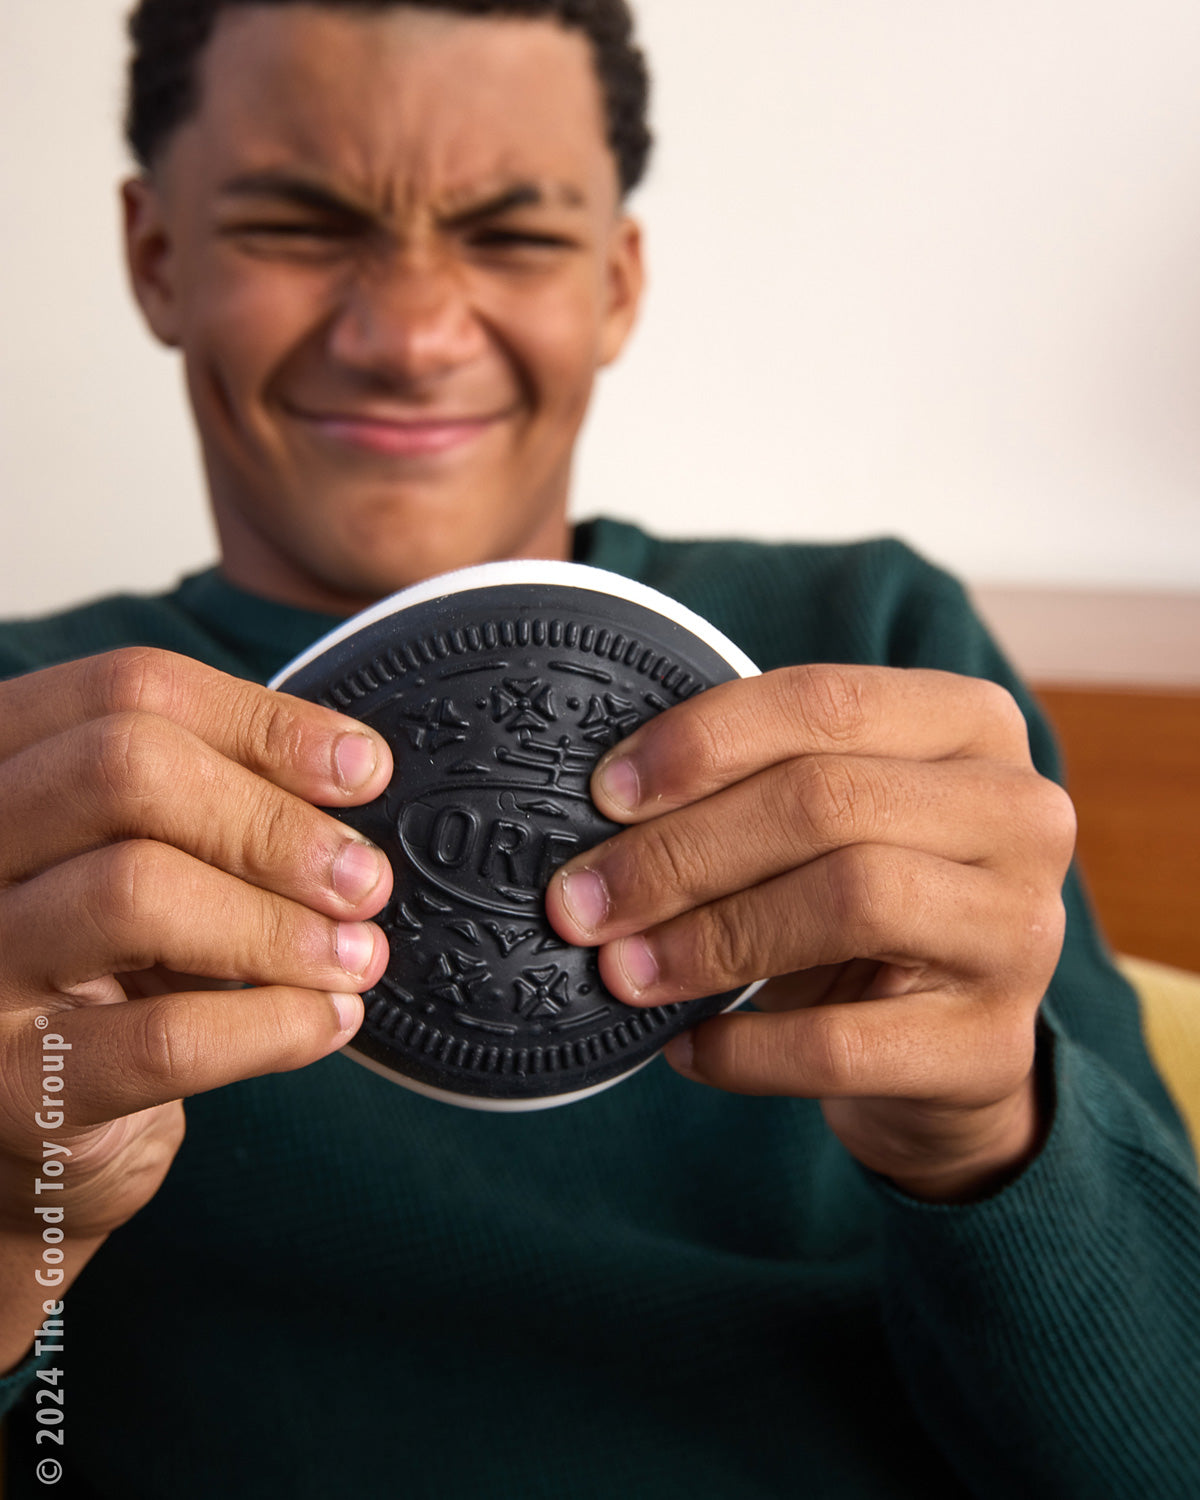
(405, 319)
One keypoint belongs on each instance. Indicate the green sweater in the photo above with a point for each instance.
(345, 1289)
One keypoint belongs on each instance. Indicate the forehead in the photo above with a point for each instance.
(399, 101)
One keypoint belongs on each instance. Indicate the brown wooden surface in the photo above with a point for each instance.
(1133, 769)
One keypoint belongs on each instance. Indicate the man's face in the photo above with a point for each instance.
(391, 249)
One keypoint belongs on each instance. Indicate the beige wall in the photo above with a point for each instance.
(921, 266)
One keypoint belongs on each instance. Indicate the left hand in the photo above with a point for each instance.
(879, 839)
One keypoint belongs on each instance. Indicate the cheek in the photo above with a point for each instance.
(554, 338)
(245, 328)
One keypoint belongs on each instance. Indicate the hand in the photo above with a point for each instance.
(157, 822)
(879, 839)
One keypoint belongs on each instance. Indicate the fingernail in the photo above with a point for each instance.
(637, 963)
(585, 896)
(355, 946)
(357, 870)
(349, 1013)
(680, 1051)
(618, 781)
(354, 760)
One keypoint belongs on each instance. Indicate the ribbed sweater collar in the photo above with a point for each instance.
(267, 633)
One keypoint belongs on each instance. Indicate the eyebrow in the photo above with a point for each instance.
(519, 195)
(301, 193)
(289, 189)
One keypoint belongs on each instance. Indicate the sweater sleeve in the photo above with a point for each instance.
(1049, 1336)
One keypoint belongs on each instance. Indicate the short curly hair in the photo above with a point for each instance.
(169, 37)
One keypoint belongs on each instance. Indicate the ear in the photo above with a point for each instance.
(149, 258)
(626, 278)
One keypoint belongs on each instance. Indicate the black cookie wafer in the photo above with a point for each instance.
(499, 688)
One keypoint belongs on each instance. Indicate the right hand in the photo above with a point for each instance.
(157, 821)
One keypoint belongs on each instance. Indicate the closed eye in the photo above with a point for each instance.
(503, 238)
(308, 240)
(285, 230)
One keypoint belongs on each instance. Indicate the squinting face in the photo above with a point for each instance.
(391, 248)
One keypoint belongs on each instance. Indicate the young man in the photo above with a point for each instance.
(910, 1239)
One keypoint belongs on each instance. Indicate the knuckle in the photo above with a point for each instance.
(127, 895)
(135, 679)
(673, 861)
(862, 892)
(274, 732)
(1045, 932)
(272, 833)
(829, 701)
(832, 796)
(833, 1052)
(277, 937)
(701, 741)
(1057, 819)
(1044, 816)
(170, 1045)
(126, 756)
(721, 945)
(1003, 713)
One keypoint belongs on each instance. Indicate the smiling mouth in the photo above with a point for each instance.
(397, 437)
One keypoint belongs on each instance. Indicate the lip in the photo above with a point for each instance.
(396, 436)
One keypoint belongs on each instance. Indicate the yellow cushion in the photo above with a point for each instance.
(1170, 1000)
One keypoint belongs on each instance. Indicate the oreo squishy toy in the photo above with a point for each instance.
(499, 688)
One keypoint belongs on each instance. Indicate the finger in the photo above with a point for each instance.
(131, 906)
(737, 728)
(916, 1047)
(914, 913)
(322, 756)
(796, 811)
(130, 1057)
(137, 775)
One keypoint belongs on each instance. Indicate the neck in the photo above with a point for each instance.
(252, 564)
